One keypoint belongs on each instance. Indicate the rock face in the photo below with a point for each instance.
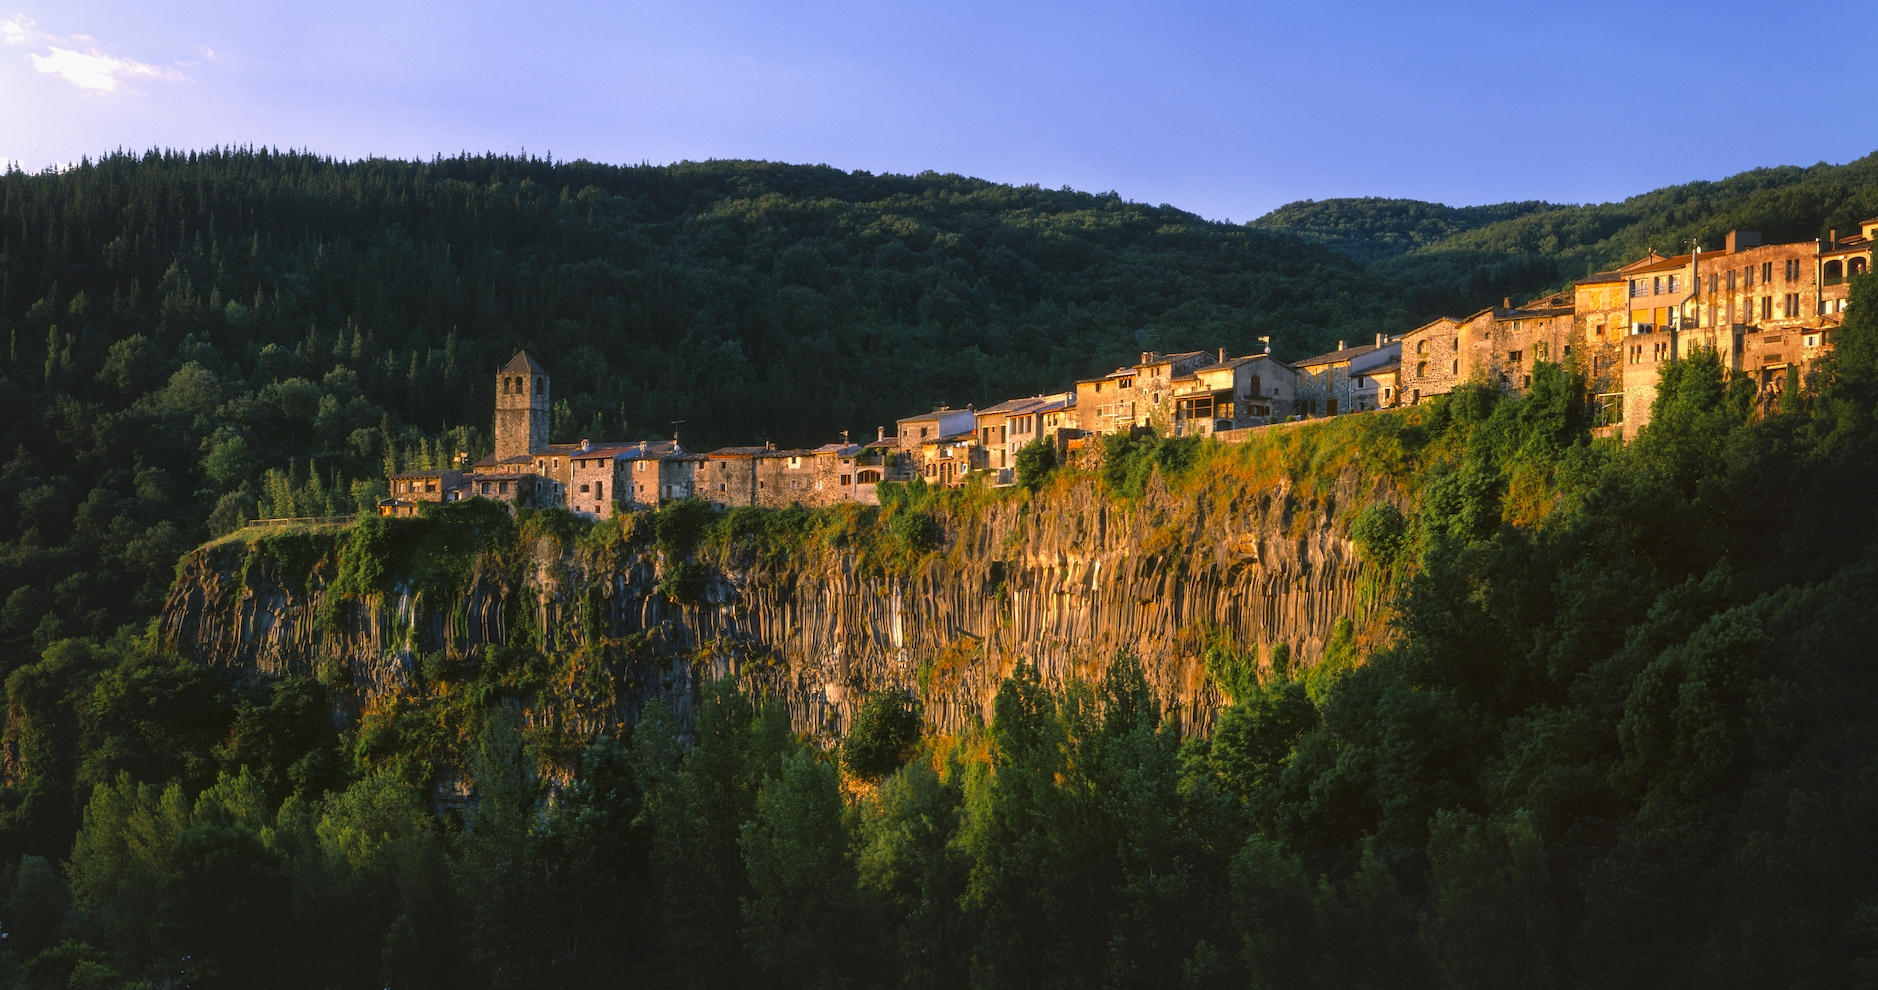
(1066, 581)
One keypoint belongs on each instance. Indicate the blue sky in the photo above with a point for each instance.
(1225, 109)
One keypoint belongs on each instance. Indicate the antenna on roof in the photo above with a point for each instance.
(676, 423)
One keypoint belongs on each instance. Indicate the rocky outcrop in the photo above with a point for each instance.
(1066, 581)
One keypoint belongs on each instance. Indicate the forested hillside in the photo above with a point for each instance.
(1458, 255)
(1621, 733)
(1371, 229)
(1625, 736)
(191, 339)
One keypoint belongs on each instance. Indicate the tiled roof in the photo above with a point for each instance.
(521, 363)
(1335, 356)
(935, 414)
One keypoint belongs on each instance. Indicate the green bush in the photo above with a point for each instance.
(882, 736)
(1035, 461)
(1381, 533)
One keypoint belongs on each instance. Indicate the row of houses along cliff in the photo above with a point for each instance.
(1768, 310)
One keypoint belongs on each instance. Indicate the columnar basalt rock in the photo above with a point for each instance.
(1066, 581)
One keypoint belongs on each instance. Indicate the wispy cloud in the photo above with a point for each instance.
(18, 30)
(91, 69)
(96, 71)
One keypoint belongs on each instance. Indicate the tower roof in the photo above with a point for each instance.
(521, 363)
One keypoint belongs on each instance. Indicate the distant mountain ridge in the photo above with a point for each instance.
(1534, 246)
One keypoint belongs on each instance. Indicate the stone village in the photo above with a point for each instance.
(1768, 311)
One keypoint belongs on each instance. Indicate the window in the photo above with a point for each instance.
(1767, 272)
(1672, 285)
(1834, 271)
(1747, 277)
(583, 488)
(1656, 286)
(1767, 306)
(1513, 357)
(1421, 369)
(599, 489)
(1636, 287)
(1731, 280)
(1421, 346)
(1456, 369)
(1792, 305)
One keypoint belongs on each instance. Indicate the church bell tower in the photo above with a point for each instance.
(521, 407)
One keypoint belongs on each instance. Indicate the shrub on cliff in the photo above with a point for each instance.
(1035, 461)
(882, 735)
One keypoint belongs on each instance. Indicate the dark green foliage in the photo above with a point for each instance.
(917, 533)
(882, 735)
(1372, 229)
(1381, 533)
(1621, 733)
(683, 581)
(679, 525)
(1035, 461)
(1130, 461)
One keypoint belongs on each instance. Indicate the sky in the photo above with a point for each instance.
(1225, 109)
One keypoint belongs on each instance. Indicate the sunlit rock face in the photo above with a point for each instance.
(1066, 580)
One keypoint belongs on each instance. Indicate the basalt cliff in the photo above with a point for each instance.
(1066, 579)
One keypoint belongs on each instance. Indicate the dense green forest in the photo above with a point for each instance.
(1631, 744)
(1458, 254)
(1628, 742)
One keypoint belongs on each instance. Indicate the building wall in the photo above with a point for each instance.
(521, 425)
(1430, 360)
(1599, 310)
(1107, 405)
(1520, 339)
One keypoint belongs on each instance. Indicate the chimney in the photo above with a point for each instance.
(1506, 302)
(585, 444)
(1379, 340)
(1144, 357)
(1741, 239)
(880, 433)
(1222, 355)
(769, 445)
(1832, 239)
(1339, 345)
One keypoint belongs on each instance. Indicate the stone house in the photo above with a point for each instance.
(1519, 337)
(1154, 381)
(1108, 404)
(1342, 380)
(770, 478)
(940, 446)
(1233, 394)
(424, 486)
(636, 476)
(1008, 427)
(1600, 315)
(1431, 359)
